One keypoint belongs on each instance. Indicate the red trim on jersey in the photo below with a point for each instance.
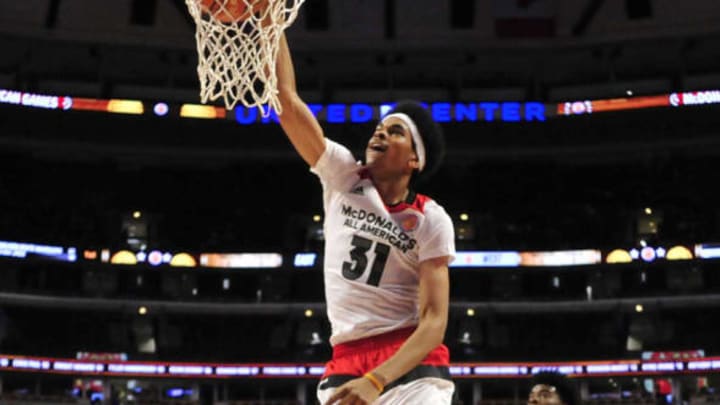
(360, 356)
(414, 200)
(417, 204)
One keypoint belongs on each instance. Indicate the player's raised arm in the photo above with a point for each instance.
(298, 122)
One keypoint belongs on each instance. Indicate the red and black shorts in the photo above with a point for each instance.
(353, 359)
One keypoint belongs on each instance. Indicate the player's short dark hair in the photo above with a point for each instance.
(565, 388)
(430, 132)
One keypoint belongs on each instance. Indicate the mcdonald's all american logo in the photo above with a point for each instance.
(409, 223)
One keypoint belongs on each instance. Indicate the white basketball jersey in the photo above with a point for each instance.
(372, 251)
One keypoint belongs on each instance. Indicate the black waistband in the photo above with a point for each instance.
(421, 371)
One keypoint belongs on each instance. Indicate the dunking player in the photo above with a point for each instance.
(386, 256)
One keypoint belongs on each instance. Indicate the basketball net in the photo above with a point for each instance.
(236, 59)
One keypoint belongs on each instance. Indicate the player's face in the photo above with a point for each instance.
(542, 394)
(390, 149)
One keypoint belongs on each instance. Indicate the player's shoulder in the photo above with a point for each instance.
(336, 164)
(334, 147)
(431, 208)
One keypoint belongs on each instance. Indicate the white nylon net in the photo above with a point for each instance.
(237, 43)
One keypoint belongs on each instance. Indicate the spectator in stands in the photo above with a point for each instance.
(552, 388)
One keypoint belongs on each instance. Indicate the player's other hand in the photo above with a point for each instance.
(359, 391)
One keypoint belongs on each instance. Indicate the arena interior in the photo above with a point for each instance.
(157, 251)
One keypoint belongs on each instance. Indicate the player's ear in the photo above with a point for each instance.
(414, 162)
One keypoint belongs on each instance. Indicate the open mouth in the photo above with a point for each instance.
(377, 147)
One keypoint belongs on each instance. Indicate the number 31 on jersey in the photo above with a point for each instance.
(358, 264)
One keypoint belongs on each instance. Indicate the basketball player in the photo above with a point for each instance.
(386, 255)
(552, 388)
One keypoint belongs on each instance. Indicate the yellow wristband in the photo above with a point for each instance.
(374, 380)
